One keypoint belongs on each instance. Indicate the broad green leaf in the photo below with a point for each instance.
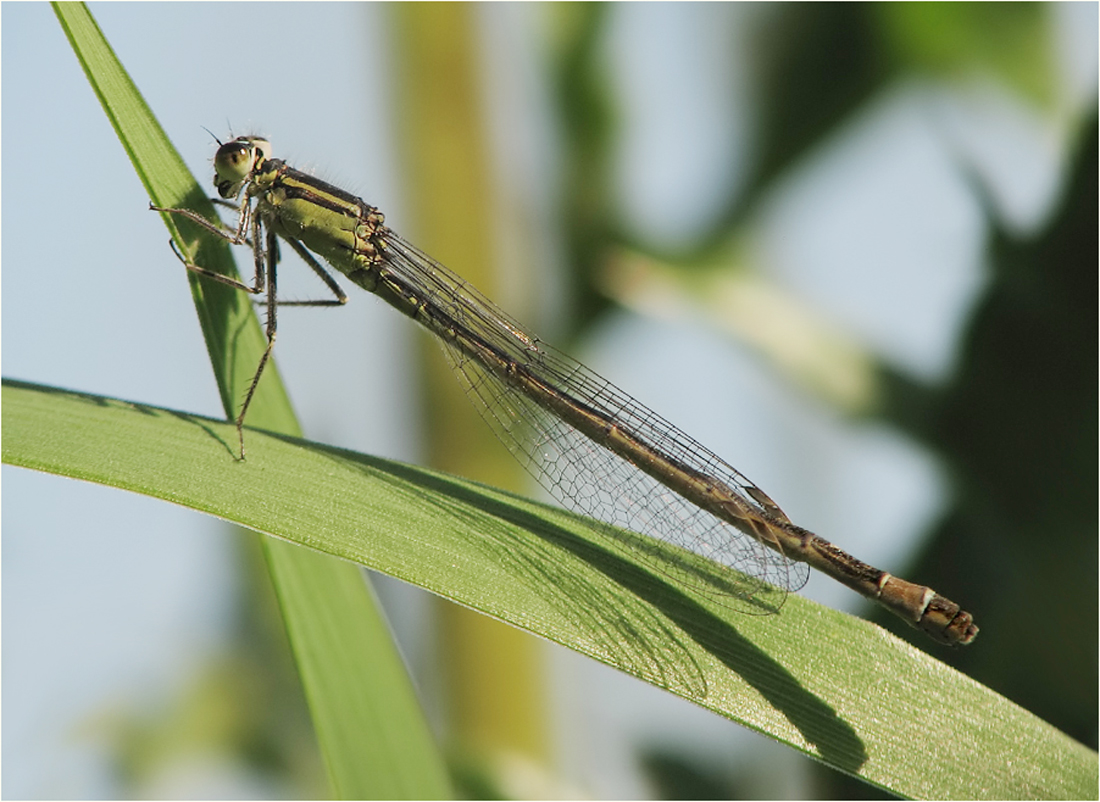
(372, 731)
(831, 686)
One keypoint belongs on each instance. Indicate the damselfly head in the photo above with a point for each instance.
(235, 161)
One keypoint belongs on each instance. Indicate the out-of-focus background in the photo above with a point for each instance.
(851, 248)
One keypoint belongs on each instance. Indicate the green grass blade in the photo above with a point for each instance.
(832, 686)
(375, 739)
(372, 731)
(232, 332)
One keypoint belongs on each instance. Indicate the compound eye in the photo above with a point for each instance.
(234, 161)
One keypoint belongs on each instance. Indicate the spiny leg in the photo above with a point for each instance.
(270, 255)
(232, 237)
(261, 258)
(307, 257)
(265, 259)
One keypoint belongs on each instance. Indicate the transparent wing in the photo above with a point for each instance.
(590, 479)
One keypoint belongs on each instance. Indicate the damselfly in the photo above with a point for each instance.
(593, 447)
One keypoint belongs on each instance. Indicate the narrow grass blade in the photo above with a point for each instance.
(372, 731)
